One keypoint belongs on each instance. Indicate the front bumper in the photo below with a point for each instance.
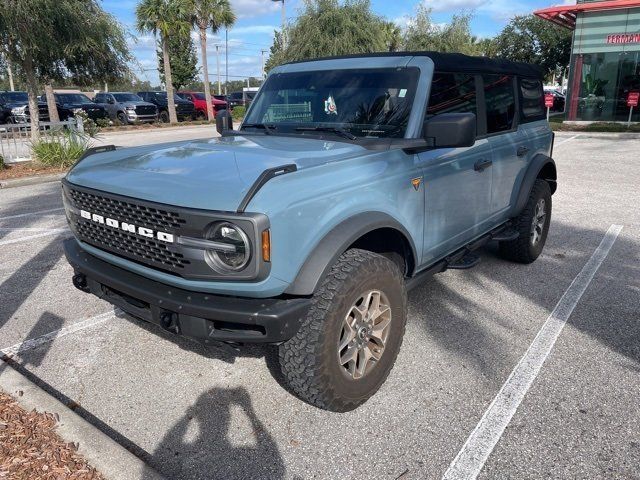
(136, 117)
(199, 316)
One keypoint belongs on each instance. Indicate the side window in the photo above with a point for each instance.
(452, 93)
(501, 103)
(532, 95)
(99, 98)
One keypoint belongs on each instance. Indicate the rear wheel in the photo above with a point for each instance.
(532, 225)
(351, 336)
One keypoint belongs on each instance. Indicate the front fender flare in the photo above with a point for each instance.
(335, 243)
(538, 163)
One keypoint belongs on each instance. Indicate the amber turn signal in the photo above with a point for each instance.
(266, 246)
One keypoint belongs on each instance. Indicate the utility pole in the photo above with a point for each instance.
(248, 84)
(263, 52)
(284, 23)
(226, 60)
(218, 68)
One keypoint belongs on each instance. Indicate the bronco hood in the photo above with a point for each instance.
(210, 174)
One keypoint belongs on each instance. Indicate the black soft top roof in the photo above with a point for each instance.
(457, 62)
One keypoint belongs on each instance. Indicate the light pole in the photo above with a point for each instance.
(226, 59)
(263, 52)
(284, 22)
(218, 69)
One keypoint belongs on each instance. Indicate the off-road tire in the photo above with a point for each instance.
(164, 117)
(522, 250)
(310, 361)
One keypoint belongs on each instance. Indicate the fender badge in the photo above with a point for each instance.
(416, 183)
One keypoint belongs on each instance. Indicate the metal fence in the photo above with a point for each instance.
(15, 138)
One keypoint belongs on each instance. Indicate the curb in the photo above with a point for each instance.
(32, 180)
(606, 135)
(107, 456)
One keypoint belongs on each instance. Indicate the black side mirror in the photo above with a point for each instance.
(224, 121)
(111, 101)
(450, 130)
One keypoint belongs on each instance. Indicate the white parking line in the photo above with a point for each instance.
(55, 231)
(566, 140)
(39, 212)
(474, 453)
(51, 336)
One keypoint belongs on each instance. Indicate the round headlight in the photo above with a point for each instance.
(237, 250)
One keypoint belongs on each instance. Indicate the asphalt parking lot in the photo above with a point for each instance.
(193, 413)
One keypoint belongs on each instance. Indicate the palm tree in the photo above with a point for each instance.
(166, 18)
(393, 35)
(213, 14)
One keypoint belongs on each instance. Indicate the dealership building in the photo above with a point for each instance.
(605, 57)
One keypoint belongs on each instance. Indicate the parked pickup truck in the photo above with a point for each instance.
(127, 107)
(350, 181)
(14, 108)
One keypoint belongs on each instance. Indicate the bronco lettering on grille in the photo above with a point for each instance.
(127, 227)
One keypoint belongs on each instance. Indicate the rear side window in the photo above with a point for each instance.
(452, 93)
(501, 102)
(532, 95)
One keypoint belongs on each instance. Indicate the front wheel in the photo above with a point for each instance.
(164, 116)
(533, 226)
(351, 336)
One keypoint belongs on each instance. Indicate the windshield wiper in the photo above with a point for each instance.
(337, 130)
(268, 129)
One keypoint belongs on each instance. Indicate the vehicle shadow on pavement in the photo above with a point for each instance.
(26, 279)
(459, 323)
(200, 444)
(217, 351)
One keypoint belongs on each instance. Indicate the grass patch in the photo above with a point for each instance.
(59, 149)
(1, 162)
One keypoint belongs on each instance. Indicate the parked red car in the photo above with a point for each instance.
(200, 103)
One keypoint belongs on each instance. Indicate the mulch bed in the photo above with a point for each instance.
(26, 169)
(31, 450)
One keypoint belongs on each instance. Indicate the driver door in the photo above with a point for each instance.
(457, 181)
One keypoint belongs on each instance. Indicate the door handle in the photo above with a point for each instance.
(480, 165)
(522, 151)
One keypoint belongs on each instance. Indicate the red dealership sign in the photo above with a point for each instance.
(623, 38)
(548, 100)
(632, 99)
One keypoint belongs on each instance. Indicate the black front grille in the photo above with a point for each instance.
(145, 110)
(147, 250)
(140, 215)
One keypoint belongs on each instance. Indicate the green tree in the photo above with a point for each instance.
(51, 40)
(530, 39)
(330, 27)
(393, 36)
(183, 59)
(213, 14)
(424, 34)
(165, 18)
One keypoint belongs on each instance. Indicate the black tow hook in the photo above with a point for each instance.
(80, 282)
(169, 321)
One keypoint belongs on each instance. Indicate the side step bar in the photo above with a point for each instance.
(463, 258)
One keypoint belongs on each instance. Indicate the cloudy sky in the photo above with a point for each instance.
(257, 20)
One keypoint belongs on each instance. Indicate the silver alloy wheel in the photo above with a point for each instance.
(364, 333)
(537, 223)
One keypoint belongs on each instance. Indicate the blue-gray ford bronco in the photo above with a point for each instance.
(350, 181)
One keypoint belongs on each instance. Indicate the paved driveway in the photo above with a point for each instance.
(198, 414)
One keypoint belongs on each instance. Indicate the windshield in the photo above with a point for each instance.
(72, 98)
(127, 97)
(365, 103)
(15, 97)
(163, 96)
